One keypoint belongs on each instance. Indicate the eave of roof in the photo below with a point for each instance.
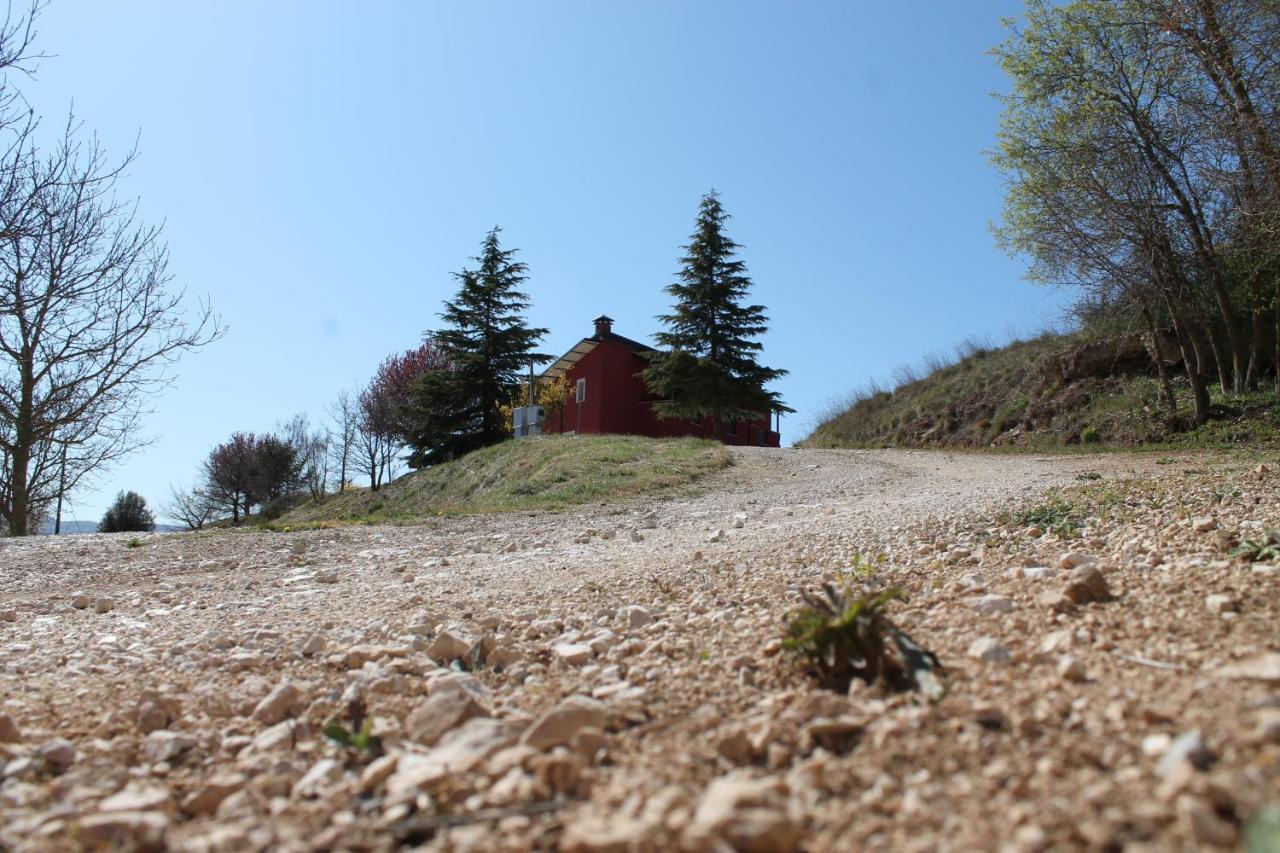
(580, 350)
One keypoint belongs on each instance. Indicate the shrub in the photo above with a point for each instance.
(129, 514)
(1090, 435)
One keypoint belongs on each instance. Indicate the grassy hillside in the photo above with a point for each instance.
(543, 473)
(1053, 391)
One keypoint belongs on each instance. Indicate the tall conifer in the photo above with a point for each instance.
(488, 346)
(710, 367)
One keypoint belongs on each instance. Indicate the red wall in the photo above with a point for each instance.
(618, 402)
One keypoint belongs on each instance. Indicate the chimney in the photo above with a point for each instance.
(604, 325)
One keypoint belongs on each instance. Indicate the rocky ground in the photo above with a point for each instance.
(611, 678)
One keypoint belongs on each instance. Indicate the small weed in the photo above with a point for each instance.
(135, 542)
(860, 569)
(1259, 550)
(1090, 435)
(359, 736)
(1222, 495)
(1088, 476)
(1056, 515)
(663, 586)
(1165, 460)
(844, 637)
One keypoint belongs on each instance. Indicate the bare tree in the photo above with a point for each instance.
(371, 453)
(345, 414)
(88, 323)
(193, 507)
(311, 453)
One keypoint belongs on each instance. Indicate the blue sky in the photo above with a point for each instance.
(321, 170)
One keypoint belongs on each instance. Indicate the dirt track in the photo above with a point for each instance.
(700, 733)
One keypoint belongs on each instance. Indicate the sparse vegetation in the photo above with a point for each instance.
(1039, 395)
(550, 472)
(359, 736)
(1260, 549)
(843, 636)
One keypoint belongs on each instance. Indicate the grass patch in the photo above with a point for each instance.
(547, 473)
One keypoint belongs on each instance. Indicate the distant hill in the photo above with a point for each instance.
(70, 528)
(1052, 391)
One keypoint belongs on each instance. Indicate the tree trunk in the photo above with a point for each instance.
(1219, 356)
(1157, 355)
(1199, 391)
(1257, 323)
(18, 518)
(1193, 361)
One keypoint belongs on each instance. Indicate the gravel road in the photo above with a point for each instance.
(169, 691)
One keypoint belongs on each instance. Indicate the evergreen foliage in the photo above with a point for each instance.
(710, 367)
(488, 346)
(128, 514)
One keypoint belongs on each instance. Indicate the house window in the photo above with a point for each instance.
(582, 391)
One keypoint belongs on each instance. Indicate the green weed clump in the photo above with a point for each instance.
(1259, 550)
(1056, 515)
(359, 737)
(843, 636)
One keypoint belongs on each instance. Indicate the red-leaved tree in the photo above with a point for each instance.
(383, 425)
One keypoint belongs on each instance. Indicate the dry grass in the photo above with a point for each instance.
(550, 472)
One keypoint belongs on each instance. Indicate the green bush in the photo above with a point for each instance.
(1090, 435)
(129, 514)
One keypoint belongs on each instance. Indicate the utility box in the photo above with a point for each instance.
(527, 421)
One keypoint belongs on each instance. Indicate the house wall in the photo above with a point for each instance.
(619, 402)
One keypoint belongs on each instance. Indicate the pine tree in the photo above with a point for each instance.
(710, 368)
(488, 346)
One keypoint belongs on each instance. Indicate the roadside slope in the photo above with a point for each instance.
(1052, 391)
(543, 473)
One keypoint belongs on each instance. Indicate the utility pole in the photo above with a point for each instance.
(62, 485)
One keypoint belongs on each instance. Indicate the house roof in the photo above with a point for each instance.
(580, 350)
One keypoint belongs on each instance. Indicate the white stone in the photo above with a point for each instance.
(450, 645)
(279, 704)
(1219, 603)
(574, 654)
(1264, 667)
(634, 616)
(165, 745)
(558, 726)
(992, 605)
(990, 650)
(59, 753)
(1070, 669)
(142, 799)
(323, 773)
(1189, 747)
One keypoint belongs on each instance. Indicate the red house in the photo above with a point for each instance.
(610, 397)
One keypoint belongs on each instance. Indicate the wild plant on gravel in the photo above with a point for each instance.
(359, 737)
(1259, 550)
(843, 636)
